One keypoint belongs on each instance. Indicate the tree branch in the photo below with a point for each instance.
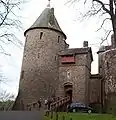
(10, 23)
(103, 23)
(103, 6)
(106, 36)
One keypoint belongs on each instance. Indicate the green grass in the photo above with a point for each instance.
(82, 116)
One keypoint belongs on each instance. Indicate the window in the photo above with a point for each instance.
(38, 55)
(43, 86)
(67, 59)
(26, 39)
(55, 58)
(41, 34)
(58, 39)
(22, 74)
(107, 65)
(68, 74)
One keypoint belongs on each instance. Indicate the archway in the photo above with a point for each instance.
(68, 90)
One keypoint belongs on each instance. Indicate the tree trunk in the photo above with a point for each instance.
(114, 30)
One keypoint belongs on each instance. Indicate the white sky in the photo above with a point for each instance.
(75, 30)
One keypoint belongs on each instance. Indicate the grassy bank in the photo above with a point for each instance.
(81, 116)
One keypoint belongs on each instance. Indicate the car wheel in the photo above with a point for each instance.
(89, 111)
(74, 110)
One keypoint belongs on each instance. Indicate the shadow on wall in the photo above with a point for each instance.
(97, 107)
(110, 103)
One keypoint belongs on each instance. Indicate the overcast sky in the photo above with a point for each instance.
(75, 30)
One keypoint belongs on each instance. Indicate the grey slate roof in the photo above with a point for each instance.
(46, 20)
(72, 51)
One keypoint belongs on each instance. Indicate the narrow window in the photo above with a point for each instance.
(41, 33)
(22, 74)
(55, 58)
(26, 39)
(38, 55)
(44, 86)
(107, 65)
(58, 39)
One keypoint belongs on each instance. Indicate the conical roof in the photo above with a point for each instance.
(46, 20)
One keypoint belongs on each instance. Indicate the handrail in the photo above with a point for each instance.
(60, 102)
(54, 105)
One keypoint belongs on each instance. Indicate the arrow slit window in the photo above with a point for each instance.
(68, 59)
(41, 34)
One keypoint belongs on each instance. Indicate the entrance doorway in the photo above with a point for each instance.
(68, 90)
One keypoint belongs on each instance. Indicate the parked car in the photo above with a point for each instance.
(79, 107)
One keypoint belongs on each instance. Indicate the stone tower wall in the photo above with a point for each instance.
(109, 66)
(109, 63)
(39, 74)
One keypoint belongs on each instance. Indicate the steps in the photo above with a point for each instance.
(60, 104)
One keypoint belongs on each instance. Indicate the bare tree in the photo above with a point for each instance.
(5, 96)
(10, 22)
(106, 8)
(6, 100)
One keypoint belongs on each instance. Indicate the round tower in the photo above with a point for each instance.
(109, 68)
(39, 73)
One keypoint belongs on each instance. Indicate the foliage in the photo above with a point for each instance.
(6, 105)
(6, 100)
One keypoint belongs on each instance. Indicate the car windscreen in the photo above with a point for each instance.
(77, 105)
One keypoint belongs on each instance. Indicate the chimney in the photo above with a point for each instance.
(85, 44)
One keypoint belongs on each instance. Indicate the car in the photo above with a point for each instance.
(79, 107)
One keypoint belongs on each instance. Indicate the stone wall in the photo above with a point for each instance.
(88, 74)
(95, 89)
(78, 75)
(39, 74)
(77, 78)
(109, 68)
(109, 63)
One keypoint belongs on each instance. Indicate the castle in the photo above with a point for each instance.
(51, 68)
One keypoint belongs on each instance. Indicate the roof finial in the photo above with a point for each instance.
(48, 4)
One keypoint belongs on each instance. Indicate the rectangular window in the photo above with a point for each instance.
(55, 58)
(26, 39)
(58, 39)
(41, 34)
(68, 59)
(38, 55)
(22, 74)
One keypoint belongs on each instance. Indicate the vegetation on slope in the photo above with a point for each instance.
(81, 116)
